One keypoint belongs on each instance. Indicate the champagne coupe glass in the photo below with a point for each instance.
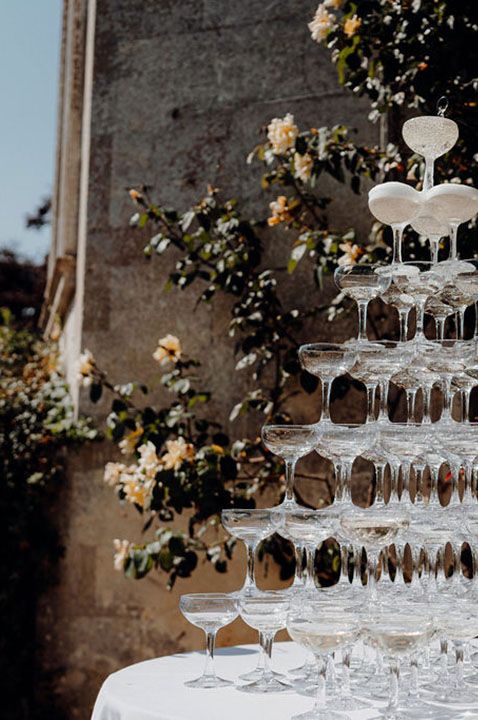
(464, 444)
(458, 621)
(394, 204)
(432, 228)
(322, 630)
(403, 303)
(373, 528)
(404, 441)
(430, 136)
(252, 526)
(466, 280)
(362, 283)
(210, 612)
(440, 311)
(266, 612)
(326, 361)
(421, 280)
(375, 364)
(447, 358)
(463, 383)
(454, 204)
(309, 528)
(458, 302)
(290, 442)
(342, 444)
(398, 634)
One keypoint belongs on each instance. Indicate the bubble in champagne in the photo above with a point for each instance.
(442, 106)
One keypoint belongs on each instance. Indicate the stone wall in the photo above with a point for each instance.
(175, 94)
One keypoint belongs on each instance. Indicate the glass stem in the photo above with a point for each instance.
(371, 403)
(443, 673)
(434, 247)
(403, 315)
(346, 657)
(413, 692)
(420, 306)
(251, 557)
(346, 476)
(326, 389)
(397, 243)
(418, 482)
(411, 394)
(453, 241)
(461, 323)
(428, 179)
(383, 410)
(372, 559)
(459, 657)
(394, 684)
(440, 327)
(362, 316)
(446, 414)
(310, 579)
(321, 697)
(267, 640)
(379, 471)
(465, 405)
(427, 393)
(289, 480)
(299, 564)
(394, 472)
(209, 670)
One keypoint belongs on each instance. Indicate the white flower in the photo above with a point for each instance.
(149, 461)
(322, 23)
(122, 548)
(86, 366)
(282, 133)
(351, 254)
(303, 166)
(176, 452)
(168, 350)
(113, 472)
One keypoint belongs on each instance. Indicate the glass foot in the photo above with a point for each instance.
(418, 710)
(208, 681)
(272, 685)
(349, 703)
(258, 673)
(320, 714)
(458, 696)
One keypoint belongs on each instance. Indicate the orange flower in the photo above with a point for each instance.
(280, 211)
(351, 25)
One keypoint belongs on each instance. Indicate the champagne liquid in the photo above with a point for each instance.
(210, 620)
(321, 637)
(267, 620)
(401, 642)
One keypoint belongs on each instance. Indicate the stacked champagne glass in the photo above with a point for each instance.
(385, 630)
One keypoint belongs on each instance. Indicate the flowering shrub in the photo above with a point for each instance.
(36, 423)
(179, 459)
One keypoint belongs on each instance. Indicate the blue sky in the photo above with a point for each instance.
(29, 52)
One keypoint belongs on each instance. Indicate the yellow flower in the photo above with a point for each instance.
(282, 133)
(128, 444)
(136, 490)
(280, 211)
(303, 166)
(351, 25)
(351, 254)
(122, 548)
(217, 449)
(335, 4)
(86, 367)
(168, 350)
(322, 23)
(177, 451)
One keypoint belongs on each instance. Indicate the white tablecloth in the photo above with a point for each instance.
(154, 690)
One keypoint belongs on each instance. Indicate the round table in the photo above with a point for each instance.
(154, 690)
